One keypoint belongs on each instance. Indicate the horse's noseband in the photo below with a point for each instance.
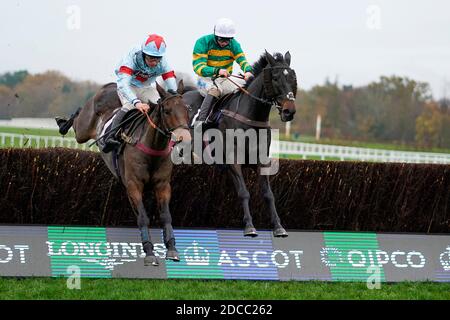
(290, 96)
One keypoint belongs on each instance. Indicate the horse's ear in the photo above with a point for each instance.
(152, 105)
(161, 91)
(287, 58)
(180, 89)
(270, 59)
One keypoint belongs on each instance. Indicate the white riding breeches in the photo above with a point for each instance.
(218, 88)
(143, 94)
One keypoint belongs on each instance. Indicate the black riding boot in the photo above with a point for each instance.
(65, 124)
(111, 142)
(205, 109)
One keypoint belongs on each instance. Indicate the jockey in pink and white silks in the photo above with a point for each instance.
(136, 74)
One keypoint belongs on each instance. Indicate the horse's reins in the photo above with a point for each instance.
(268, 102)
(154, 126)
(166, 132)
(235, 115)
(271, 102)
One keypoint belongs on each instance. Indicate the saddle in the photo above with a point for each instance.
(216, 114)
(131, 122)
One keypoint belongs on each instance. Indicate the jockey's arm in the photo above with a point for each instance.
(124, 84)
(240, 59)
(169, 76)
(200, 59)
(169, 79)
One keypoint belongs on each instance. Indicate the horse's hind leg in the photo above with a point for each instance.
(85, 124)
(65, 124)
(135, 190)
(163, 194)
(278, 230)
(244, 196)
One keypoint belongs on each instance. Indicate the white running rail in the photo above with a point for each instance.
(332, 152)
(299, 149)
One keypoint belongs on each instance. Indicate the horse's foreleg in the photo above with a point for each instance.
(244, 196)
(135, 191)
(163, 193)
(278, 230)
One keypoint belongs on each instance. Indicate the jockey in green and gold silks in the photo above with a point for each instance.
(213, 56)
(209, 57)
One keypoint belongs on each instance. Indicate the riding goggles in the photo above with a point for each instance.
(223, 40)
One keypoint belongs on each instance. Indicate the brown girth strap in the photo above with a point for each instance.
(241, 118)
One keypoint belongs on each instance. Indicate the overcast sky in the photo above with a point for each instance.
(354, 40)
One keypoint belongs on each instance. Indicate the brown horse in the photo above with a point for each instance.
(144, 160)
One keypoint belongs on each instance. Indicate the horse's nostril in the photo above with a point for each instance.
(286, 111)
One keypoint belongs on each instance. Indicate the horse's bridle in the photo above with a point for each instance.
(167, 132)
(269, 91)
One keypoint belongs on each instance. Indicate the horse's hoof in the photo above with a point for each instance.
(151, 261)
(250, 232)
(172, 255)
(280, 233)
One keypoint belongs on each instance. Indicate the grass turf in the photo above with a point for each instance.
(34, 131)
(55, 288)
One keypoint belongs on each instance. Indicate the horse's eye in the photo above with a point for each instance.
(167, 112)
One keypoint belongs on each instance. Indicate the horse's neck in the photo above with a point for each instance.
(250, 107)
(152, 138)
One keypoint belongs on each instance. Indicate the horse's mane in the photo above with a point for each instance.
(261, 63)
(108, 84)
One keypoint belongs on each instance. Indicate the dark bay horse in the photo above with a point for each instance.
(275, 83)
(144, 159)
